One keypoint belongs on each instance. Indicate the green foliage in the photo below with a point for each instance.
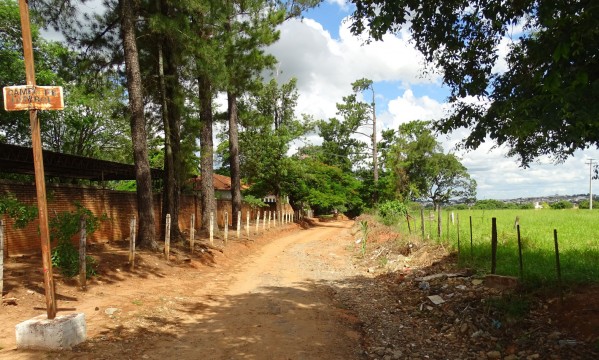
(63, 227)
(544, 102)
(562, 204)
(365, 230)
(585, 204)
(22, 214)
(322, 187)
(489, 204)
(420, 169)
(253, 202)
(391, 211)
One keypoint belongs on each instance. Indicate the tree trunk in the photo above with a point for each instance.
(206, 150)
(375, 172)
(145, 206)
(234, 157)
(168, 190)
(168, 82)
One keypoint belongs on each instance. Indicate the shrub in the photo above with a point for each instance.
(63, 227)
(562, 204)
(391, 211)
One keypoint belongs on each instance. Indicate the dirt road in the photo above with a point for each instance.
(273, 302)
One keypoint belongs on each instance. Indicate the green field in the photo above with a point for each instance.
(578, 235)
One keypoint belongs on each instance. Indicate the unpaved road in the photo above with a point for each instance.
(275, 303)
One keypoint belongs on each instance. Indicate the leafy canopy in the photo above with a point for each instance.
(546, 100)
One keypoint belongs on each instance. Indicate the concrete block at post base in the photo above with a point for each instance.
(61, 333)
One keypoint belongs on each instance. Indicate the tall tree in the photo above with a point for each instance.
(249, 28)
(145, 204)
(422, 171)
(270, 126)
(544, 103)
(364, 85)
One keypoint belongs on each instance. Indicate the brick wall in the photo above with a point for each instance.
(119, 207)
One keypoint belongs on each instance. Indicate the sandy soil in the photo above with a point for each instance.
(305, 293)
(261, 299)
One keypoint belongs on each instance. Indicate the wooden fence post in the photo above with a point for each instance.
(132, 228)
(211, 228)
(257, 220)
(167, 237)
(520, 253)
(448, 221)
(82, 253)
(471, 247)
(269, 214)
(263, 220)
(493, 245)
(558, 267)
(458, 228)
(247, 227)
(238, 225)
(439, 221)
(226, 226)
(422, 221)
(1, 258)
(192, 233)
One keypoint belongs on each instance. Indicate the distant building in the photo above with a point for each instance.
(222, 186)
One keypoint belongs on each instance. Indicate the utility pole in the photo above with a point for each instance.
(590, 162)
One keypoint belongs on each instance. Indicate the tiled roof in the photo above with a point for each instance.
(221, 182)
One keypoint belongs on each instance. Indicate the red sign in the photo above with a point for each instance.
(27, 97)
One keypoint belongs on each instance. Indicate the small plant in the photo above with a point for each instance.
(365, 230)
(22, 214)
(63, 227)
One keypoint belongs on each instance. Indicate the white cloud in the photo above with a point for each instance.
(325, 67)
(343, 4)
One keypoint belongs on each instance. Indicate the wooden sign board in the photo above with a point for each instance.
(27, 97)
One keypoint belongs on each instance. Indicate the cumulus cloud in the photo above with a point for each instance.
(325, 67)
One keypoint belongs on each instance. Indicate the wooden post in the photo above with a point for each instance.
(520, 253)
(439, 221)
(226, 227)
(269, 214)
(192, 233)
(422, 221)
(132, 228)
(211, 228)
(493, 245)
(247, 227)
(448, 221)
(458, 228)
(82, 254)
(167, 237)
(238, 225)
(257, 220)
(558, 267)
(38, 165)
(1, 258)
(263, 220)
(471, 247)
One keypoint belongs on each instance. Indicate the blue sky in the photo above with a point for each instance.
(325, 58)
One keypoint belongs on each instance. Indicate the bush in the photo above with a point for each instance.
(63, 227)
(391, 211)
(562, 204)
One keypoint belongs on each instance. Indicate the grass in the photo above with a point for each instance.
(578, 235)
